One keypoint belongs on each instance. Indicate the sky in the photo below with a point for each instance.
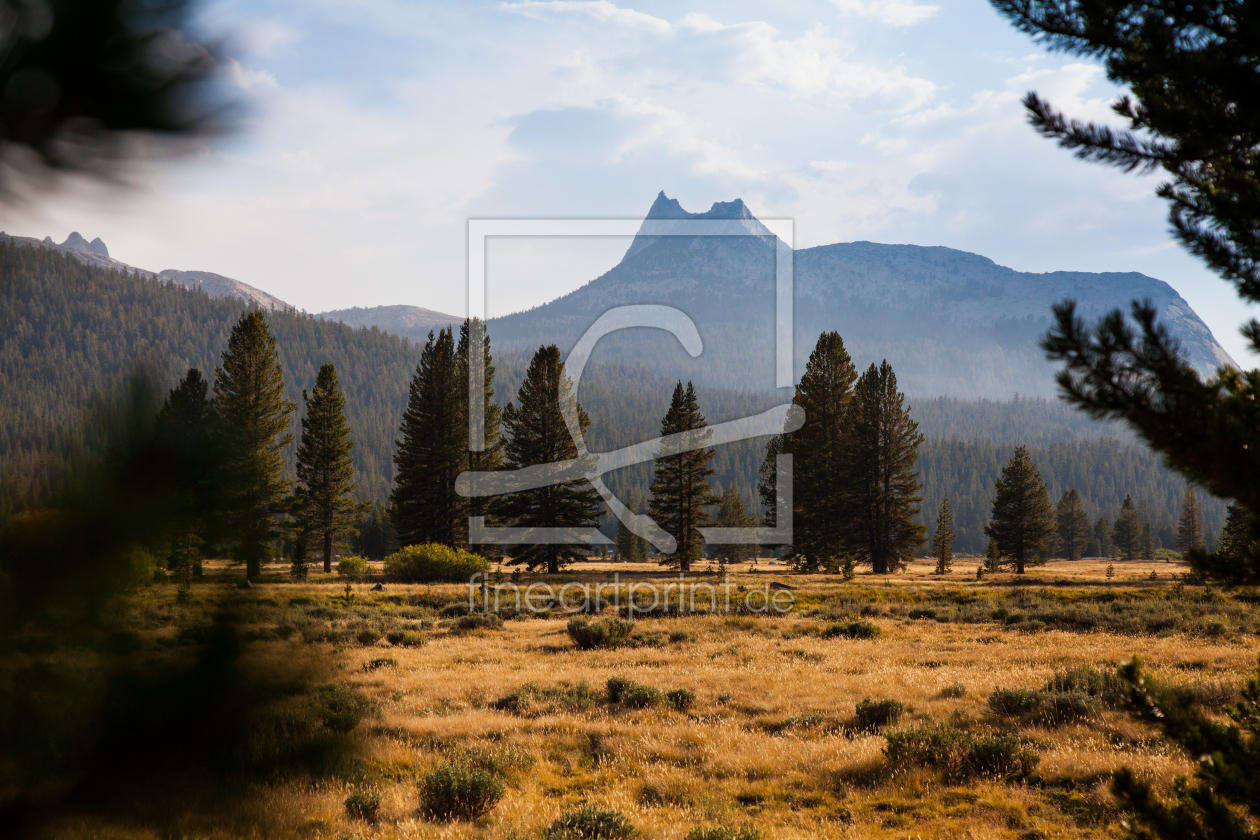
(375, 129)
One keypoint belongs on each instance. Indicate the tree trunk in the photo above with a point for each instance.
(328, 552)
(253, 568)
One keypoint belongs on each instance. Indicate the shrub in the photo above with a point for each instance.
(533, 699)
(681, 698)
(801, 721)
(747, 832)
(876, 714)
(459, 792)
(377, 664)
(954, 691)
(607, 633)
(682, 636)
(368, 636)
(960, 754)
(489, 621)
(341, 708)
(356, 569)
(1013, 702)
(643, 697)
(434, 563)
(364, 805)
(405, 638)
(852, 630)
(1105, 685)
(617, 687)
(591, 823)
(923, 612)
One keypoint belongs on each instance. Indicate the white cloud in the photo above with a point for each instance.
(264, 38)
(247, 79)
(888, 12)
(599, 11)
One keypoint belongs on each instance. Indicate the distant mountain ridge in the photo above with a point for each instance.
(95, 253)
(412, 322)
(951, 323)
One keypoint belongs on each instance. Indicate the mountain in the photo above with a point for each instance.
(950, 322)
(413, 322)
(96, 254)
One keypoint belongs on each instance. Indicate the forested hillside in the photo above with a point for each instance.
(70, 332)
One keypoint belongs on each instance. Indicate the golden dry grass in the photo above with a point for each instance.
(728, 761)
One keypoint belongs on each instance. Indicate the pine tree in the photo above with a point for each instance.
(681, 494)
(1071, 526)
(537, 434)
(1126, 533)
(254, 418)
(1189, 70)
(824, 392)
(185, 436)
(1237, 534)
(880, 496)
(325, 467)
(731, 514)
(943, 539)
(631, 548)
(433, 450)
(1190, 525)
(992, 559)
(1101, 539)
(1022, 518)
(490, 457)
(1146, 543)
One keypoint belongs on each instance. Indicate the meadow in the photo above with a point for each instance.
(973, 709)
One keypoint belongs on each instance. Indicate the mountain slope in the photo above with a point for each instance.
(413, 322)
(950, 322)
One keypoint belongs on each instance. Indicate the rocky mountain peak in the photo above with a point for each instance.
(76, 242)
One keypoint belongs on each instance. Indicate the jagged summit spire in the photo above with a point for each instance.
(665, 208)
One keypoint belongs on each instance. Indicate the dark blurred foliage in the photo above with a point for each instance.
(79, 77)
(93, 715)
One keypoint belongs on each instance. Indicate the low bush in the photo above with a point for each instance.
(405, 638)
(923, 612)
(532, 699)
(682, 636)
(960, 754)
(954, 691)
(377, 664)
(356, 569)
(591, 823)
(643, 697)
(1045, 707)
(475, 621)
(1107, 686)
(364, 805)
(454, 791)
(434, 563)
(873, 715)
(617, 687)
(852, 630)
(681, 699)
(340, 708)
(502, 759)
(802, 721)
(368, 636)
(746, 832)
(1013, 702)
(607, 633)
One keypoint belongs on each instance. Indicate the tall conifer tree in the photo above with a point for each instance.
(943, 539)
(631, 548)
(185, 437)
(1022, 518)
(1190, 525)
(433, 449)
(325, 467)
(1126, 533)
(537, 434)
(824, 393)
(880, 496)
(1071, 526)
(1235, 540)
(254, 418)
(490, 457)
(681, 494)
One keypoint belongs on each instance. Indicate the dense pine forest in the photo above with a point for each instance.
(71, 333)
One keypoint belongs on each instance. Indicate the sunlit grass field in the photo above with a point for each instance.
(772, 741)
